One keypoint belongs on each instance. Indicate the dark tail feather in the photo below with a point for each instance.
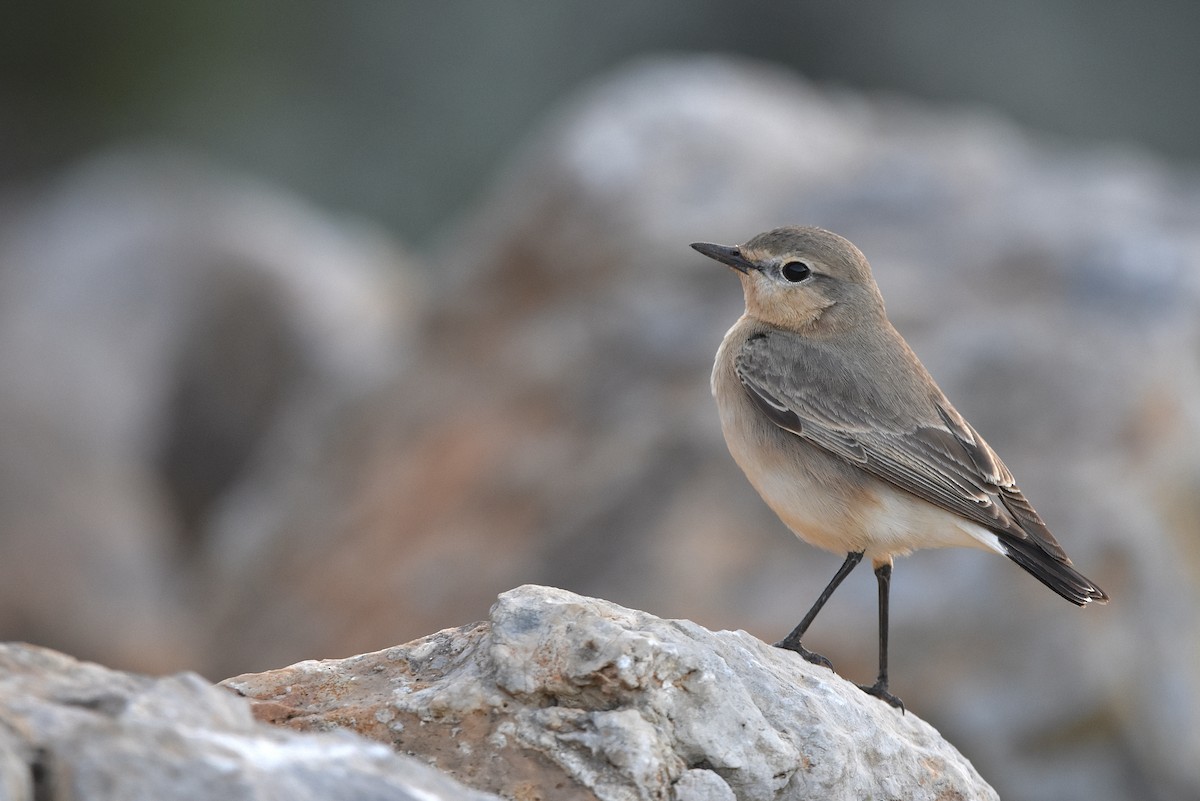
(1058, 576)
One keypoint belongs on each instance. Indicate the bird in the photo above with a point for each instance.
(847, 437)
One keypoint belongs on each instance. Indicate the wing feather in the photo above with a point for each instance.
(912, 437)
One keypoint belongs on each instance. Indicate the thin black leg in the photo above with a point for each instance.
(792, 641)
(879, 689)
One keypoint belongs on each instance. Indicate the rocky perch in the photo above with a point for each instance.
(556, 696)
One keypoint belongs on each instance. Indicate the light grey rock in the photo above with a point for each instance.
(558, 691)
(73, 731)
(702, 785)
(16, 772)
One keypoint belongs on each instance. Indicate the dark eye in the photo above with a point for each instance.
(795, 271)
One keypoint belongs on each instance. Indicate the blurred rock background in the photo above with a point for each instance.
(320, 326)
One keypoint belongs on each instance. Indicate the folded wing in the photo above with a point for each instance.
(910, 436)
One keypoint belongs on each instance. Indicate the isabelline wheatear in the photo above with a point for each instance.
(848, 439)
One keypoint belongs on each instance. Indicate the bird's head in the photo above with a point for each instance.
(802, 279)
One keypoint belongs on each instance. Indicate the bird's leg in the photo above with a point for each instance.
(792, 641)
(883, 573)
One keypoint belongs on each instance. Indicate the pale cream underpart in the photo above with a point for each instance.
(823, 499)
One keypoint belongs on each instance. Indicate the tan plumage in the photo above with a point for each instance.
(844, 433)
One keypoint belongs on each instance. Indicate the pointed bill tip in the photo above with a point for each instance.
(725, 254)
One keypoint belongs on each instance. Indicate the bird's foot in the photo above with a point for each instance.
(808, 655)
(879, 690)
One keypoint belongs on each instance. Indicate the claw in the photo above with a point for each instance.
(808, 655)
(879, 690)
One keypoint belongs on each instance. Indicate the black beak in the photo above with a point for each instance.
(726, 255)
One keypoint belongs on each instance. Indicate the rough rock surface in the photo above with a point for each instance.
(559, 696)
(74, 731)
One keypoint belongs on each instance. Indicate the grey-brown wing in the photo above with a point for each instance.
(909, 436)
